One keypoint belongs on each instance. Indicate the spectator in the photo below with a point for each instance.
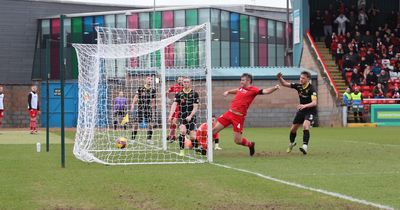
(341, 21)
(371, 78)
(384, 79)
(327, 21)
(358, 37)
(339, 54)
(367, 38)
(352, 20)
(369, 57)
(357, 106)
(376, 68)
(363, 64)
(355, 78)
(378, 91)
(347, 65)
(396, 92)
(317, 25)
(362, 20)
(347, 97)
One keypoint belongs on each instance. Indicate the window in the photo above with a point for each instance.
(144, 20)
(225, 26)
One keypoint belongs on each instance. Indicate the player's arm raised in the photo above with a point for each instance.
(282, 81)
(233, 91)
(270, 90)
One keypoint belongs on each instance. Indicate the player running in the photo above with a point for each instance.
(306, 110)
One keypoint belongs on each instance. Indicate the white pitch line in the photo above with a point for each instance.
(370, 143)
(334, 194)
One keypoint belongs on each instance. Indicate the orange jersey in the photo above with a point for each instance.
(201, 135)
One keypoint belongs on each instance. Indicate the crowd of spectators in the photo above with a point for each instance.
(366, 51)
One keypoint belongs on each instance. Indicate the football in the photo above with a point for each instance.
(121, 142)
(188, 144)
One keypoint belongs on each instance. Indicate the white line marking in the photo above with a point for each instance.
(334, 194)
(370, 143)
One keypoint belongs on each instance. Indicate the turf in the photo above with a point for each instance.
(359, 162)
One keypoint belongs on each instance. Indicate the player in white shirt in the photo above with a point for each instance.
(33, 107)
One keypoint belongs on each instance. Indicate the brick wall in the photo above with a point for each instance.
(16, 106)
(329, 113)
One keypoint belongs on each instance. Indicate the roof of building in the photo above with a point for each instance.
(231, 8)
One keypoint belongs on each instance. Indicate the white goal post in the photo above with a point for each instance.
(127, 84)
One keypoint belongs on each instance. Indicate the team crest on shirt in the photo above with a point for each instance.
(242, 90)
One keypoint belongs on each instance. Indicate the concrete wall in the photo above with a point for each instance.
(18, 26)
(274, 110)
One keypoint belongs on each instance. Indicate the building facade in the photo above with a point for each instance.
(238, 39)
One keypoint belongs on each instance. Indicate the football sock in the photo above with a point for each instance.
(134, 133)
(292, 137)
(181, 141)
(306, 136)
(172, 130)
(115, 125)
(246, 142)
(149, 134)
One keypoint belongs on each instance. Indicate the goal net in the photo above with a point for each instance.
(127, 84)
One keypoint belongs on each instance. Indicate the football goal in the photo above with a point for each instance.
(128, 82)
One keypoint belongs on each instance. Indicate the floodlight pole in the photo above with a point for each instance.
(48, 43)
(62, 72)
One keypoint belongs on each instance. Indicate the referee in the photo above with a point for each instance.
(306, 110)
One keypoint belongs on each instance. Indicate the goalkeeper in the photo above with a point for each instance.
(188, 102)
(120, 109)
(145, 99)
(201, 137)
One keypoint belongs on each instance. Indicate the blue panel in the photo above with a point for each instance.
(235, 54)
(102, 97)
(88, 30)
(99, 21)
(235, 27)
(70, 102)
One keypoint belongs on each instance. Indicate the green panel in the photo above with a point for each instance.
(244, 54)
(76, 31)
(192, 53)
(192, 46)
(191, 17)
(157, 23)
(385, 114)
(244, 28)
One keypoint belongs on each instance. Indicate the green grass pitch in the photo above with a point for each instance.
(359, 162)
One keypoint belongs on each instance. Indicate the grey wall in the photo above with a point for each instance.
(18, 23)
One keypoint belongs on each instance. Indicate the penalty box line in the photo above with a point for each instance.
(333, 194)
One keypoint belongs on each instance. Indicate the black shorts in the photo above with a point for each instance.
(190, 126)
(143, 117)
(119, 113)
(304, 115)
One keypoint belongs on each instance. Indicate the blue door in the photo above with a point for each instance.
(70, 105)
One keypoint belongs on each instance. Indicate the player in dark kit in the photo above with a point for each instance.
(244, 96)
(145, 98)
(306, 109)
(188, 102)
